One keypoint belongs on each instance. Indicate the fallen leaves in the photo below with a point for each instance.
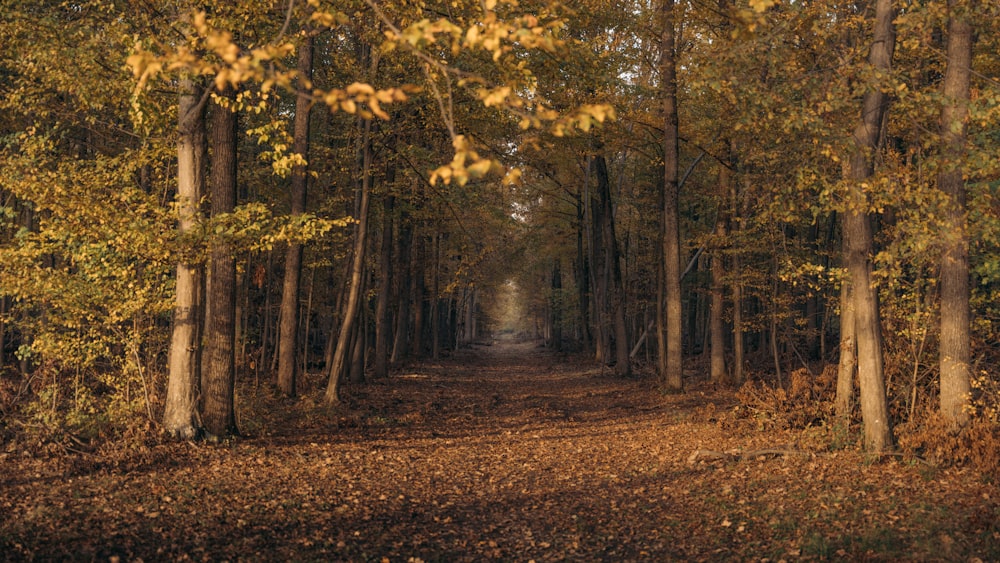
(426, 474)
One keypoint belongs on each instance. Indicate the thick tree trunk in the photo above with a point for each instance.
(288, 337)
(612, 264)
(218, 362)
(858, 241)
(955, 348)
(180, 417)
(332, 395)
(671, 357)
(848, 363)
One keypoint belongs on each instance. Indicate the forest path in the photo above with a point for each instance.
(503, 452)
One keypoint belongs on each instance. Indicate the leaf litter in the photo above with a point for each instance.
(503, 452)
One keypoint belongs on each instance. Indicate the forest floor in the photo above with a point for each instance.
(503, 452)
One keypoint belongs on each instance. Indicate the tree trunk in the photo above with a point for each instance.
(382, 324)
(3, 332)
(332, 396)
(858, 241)
(556, 341)
(180, 417)
(401, 288)
(583, 276)
(359, 346)
(671, 358)
(738, 338)
(848, 363)
(955, 350)
(288, 337)
(612, 258)
(436, 300)
(417, 297)
(716, 324)
(218, 362)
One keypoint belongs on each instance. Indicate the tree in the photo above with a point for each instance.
(180, 417)
(669, 329)
(288, 337)
(955, 351)
(218, 361)
(337, 366)
(858, 239)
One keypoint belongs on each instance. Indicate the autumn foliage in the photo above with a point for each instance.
(807, 214)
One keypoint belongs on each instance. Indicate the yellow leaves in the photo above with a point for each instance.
(227, 63)
(582, 119)
(458, 171)
(513, 177)
(358, 89)
(348, 99)
(329, 19)
(496, 96)
(760, 6)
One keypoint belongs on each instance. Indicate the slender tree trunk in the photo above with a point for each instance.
(716, 324)
(583, 276)
(556, 306)
(3, 332)
(417, 296)
(288, 337)
(402, 285)
(359, 344)
(436, 300)
(955, 348)
(739, 346)
(848, 363)
(218, 369)
(332, 395)
(382, 325)
(671, 358)
(858, 241)
(180, 417)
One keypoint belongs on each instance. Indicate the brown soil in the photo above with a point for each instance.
(504, 452)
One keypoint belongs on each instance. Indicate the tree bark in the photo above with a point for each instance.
(436, 300)
(737, 289)
(382, 324)
(848, 363)
(716, 324)
(858, 241)
(401, 287)
(671, 357)
(556, 301)
(955, 349)
(288, 337)
(613, 272)
(218, 362)
(583, 276)
(180, 417)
